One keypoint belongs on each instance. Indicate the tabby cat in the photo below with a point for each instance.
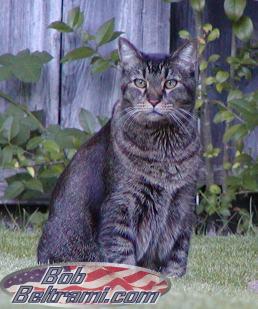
(128, 194)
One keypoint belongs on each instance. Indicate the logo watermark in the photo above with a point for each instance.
(85, 283)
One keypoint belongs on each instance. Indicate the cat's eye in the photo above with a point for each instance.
(170, 84)
(140, 83)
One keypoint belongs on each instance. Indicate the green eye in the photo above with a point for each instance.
(140, 83)
(170, 84)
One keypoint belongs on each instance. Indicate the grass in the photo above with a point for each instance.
(219, 271)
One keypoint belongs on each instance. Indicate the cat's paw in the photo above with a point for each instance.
(175, 272)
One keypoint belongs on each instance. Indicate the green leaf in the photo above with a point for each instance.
(215, 34)
(52, 171)
(50, 146)
(209, 80)
(75, 17)
(5, 73)
(234, 94)
(214, 189)
(26, 67)
(213, 58)
(34, 184)
(100, 65)
(245, 73)
(198, 103)
(78, 53)
(211, 152)
(219, 87)
(197, 5)
(44, 57)
(243, 28)
(6, 59)
(235, 132)
(6, 128)
(34, 142)
(10, 128)
(60, 26)
(184, 34)
(207, 27)
(22, 136)
(114, 56)
(222, 76)
(250, 183)
(16, 111)
(223, 116)
(203, 65)
(105, 32)
(234, 9)
(31, 171)
(7, 155)
(14, 190)
(87, 120)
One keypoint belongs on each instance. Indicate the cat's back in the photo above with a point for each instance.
(82, 181)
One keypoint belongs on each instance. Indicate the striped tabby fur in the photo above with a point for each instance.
(128, 194)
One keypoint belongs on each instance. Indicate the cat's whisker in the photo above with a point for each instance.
(192, 116)
(130, 117)
(126, 112)
(179, 122)
(190, 121)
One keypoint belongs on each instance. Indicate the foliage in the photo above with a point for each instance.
(24, 66)
(90, 44)
(238, 112)
(38, 154)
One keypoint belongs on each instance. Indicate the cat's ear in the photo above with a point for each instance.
(187, 54)
(128, 54)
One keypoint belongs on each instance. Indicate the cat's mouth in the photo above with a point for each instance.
(155, 112)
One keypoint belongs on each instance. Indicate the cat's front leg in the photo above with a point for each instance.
(116, 237)
(177, 262)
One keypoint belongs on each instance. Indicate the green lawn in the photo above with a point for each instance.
(218, 273)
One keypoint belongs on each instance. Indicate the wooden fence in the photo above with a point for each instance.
(152, 25)
(63, 89)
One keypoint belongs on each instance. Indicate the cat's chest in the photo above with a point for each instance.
(164, 173)
(151, 207)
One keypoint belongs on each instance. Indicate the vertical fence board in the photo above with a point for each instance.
(23, 24)
(145, 23)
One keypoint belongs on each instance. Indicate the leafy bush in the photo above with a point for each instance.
(38, 154)
(238, 112)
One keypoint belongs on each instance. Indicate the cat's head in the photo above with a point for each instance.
(158, 88)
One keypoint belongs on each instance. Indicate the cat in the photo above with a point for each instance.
(128, 195)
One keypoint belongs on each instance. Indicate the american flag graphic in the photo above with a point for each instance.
(99, 276)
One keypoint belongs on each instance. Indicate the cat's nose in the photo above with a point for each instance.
(154, 102)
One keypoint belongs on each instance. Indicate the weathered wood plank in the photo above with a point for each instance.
(145, 23)
(23, 24)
